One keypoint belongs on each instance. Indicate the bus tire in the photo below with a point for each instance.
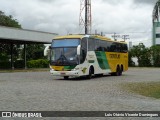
(118, 71)
(122, 69)
(89, 76)
(66, 77)
(91, 71)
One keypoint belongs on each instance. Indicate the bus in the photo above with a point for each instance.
(87, 55)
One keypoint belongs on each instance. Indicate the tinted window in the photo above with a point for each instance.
(124, 48)
(65, 43)
(84, 43)
(108, 46)
(83, 50)
(96, 45)
(91, 44)
(113, 47)
(157, 35)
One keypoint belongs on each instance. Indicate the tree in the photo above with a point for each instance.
(130, 61)
(8, 21)
(143, 55)
(155, 50)
(34, 51)
(5, 49)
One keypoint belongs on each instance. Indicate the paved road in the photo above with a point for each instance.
(38, 91)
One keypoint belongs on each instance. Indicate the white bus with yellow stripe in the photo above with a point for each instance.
(87, 55)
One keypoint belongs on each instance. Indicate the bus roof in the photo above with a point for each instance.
(69, 36)
(80, 36)
(107, 39)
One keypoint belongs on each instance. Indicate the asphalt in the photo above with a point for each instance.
(39, 91)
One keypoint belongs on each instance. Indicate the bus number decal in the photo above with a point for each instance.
(115, 56)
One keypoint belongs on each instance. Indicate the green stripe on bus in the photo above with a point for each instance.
(102, 60)
(69, 67)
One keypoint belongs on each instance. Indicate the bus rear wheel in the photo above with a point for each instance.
(118, 72)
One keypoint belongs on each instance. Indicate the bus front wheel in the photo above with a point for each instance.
(91, 71)
(89, 76)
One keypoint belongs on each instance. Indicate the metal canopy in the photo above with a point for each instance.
(9, 35)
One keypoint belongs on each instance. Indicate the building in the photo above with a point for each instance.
(11, 36)
(156, 33)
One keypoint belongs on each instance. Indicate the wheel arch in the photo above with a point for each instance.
(92, 69)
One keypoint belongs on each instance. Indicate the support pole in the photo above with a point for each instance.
(86, 17)
(25, 61)
(12, 61)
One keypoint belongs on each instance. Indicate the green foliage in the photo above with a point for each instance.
(19, 64)
(143, 55)
(3, 57)
(6, 48)
(34, 51)
(5, 65)
(155, 51)
(8, 21)
(40, 63)
(130, 61)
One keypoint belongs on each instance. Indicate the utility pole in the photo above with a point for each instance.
(125, 37)
(115, 36)
(85, 16)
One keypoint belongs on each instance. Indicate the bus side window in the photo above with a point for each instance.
(96, 45)
(118, 47)
(108, 45)
(125, 48)
(83, 50)
(91, 44)
(113, 47)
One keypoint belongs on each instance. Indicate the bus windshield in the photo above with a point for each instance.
(64, 52)
(66, 43)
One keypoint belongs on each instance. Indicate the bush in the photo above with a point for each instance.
(40, 63)
(5, 65)
(19, 64)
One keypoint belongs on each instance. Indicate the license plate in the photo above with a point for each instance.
(63, 73)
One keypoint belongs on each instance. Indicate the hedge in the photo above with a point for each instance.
(19, 64)
(5, 65)
(40, 63)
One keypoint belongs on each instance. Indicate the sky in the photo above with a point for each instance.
(124, 17)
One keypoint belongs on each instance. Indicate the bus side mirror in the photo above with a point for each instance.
(46, 50)
(79, 50)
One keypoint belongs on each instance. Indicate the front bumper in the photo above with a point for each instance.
(65, 73)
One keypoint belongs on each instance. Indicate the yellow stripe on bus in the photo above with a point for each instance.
(115, 59)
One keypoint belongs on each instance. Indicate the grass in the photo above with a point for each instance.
(149, 89)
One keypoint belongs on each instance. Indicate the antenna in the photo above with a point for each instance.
(85, 16)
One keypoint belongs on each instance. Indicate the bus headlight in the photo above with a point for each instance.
(51, 68)
(75, 69)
